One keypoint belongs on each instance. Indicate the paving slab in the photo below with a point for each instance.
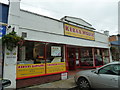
(61, 84)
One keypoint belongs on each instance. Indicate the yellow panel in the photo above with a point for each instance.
(27, 70)
(73, 31)
(56, 67)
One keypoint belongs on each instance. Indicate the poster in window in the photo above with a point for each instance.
(55, 51)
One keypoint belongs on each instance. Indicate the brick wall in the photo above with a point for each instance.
(37, 80)
(112, 38)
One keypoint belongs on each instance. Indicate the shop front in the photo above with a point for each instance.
(47, 61)
(51, 48)
(42, 60)
(38, 59)
(86, 57)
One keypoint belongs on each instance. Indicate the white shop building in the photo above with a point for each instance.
(52, 47)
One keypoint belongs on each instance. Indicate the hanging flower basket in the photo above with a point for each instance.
(12, 40)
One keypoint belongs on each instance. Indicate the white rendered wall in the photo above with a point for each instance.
(40, 23)
(47, 37)
(48, 30)
(99, 37)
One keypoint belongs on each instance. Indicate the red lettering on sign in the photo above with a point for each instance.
(67, 28)
(77, 31)
(71, 29)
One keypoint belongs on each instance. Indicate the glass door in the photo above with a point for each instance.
(77, 57)
(71, 58)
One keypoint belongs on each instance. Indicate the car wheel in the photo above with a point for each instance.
(83, 84)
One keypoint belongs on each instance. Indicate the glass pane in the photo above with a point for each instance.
(105, 60)
(105, 53)
(77, 57)
(55, 53)
(86, 57)
(25, 53)
(77, 63)
(98, 57)
(31, 52)
(39, 52)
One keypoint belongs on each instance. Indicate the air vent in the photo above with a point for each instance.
(24, 34)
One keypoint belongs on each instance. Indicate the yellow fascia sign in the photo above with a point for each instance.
(78, 32)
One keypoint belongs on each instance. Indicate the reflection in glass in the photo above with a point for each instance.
(86, 57)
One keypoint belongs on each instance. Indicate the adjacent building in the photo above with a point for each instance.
(115, 47)
(3, 24)
(3, 18)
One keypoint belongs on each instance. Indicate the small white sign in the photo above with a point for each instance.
(10, 56)
(64, 76)
(55, 51)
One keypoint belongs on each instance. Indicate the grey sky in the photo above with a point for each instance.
(102, 14)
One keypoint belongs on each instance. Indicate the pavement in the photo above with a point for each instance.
(67, 84)
(61, 84)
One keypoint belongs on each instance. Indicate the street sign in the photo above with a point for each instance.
(2, 31)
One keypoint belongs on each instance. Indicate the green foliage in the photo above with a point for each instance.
(113, 49)
(12, 40)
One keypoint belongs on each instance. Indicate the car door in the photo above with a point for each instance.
(107, 77)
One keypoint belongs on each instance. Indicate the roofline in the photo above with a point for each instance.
(115, 35)
(77, 18)
(53, 18)
(118, 34)
(40, 15)
(79, 24)
(56, 19)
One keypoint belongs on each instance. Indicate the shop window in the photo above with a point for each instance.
(34, 52)
(39, 52)
(37, 58)
(98, 57)
(77, 57)
(86, 57)
(55, 53)
(105, 56)
(31, 52)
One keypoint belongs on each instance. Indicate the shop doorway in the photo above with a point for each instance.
(73, 58)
